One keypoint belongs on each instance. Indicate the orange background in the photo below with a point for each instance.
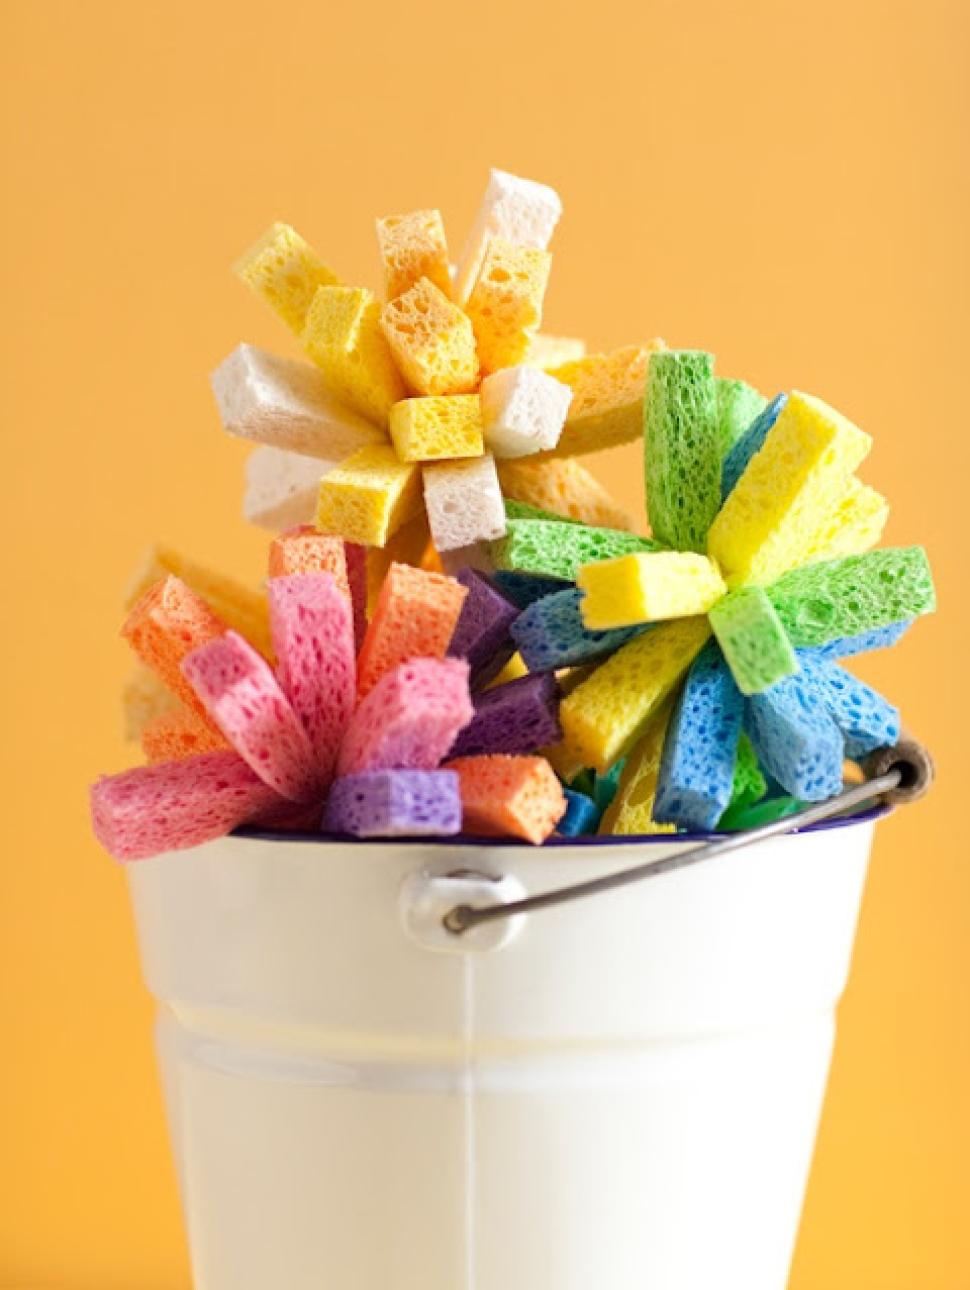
(784, 184)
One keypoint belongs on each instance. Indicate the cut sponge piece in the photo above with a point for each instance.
(582, 815)
(343, 336)
(415, 617)
(509, 796)
(697, 768)
(753, 639)
(682, 449)
(565, 488)
(505, 305)
(750, 442)
(514, 718)
(866, 719)
(438, 428)
(432, 341)
(523, 589)
(857, 594)
(631, 810)
(410, 719)
(558, 549)
(286, 272)
(796, 740)
(648, 587)
(313, 639)
(482, 633)
(395, 803)
(282, 487)
(605, 716)
(607, 405)
(521, 211)
(855, 524)
(464, 502)
(244, 699)
(413, 246)
(737, 406)
(369, 496)
(523, 410)
(552, 351)
(787, 492)
(178, 733)
(167, 623)
(240, 607)
(550, 634)
(144, 697)
(748, 785)
(287, 404)
(863, 642)
(304, 550)
(153, 809)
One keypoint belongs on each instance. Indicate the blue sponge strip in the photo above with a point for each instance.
(796, 739)
(736, 462)
(551, 634)
(582, 815)
(877, 638)
(697, 767)
(524, 588)
(866, 719)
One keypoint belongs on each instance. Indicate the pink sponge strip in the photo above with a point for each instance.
(410, 719)
(244, 699)
(313, 640)
(179, 804)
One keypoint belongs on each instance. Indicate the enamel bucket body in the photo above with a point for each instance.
(619, 1094)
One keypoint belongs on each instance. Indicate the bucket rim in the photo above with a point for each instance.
(254, 833)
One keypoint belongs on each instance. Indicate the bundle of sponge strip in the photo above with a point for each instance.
(461, 631)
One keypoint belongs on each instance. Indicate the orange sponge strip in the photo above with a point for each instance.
(304, 550)
(414, 617)
(178, 733)
(166, 624)
(509, 796)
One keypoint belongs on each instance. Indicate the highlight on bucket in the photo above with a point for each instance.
(496, 863)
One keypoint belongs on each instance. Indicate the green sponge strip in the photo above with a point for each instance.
(737, 819)
(749, 785)
(523, 511)
(682, 451)
(738, 403)
(834, 598)
(752, 639)
(559, 547)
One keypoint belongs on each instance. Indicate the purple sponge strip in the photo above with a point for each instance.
(482, 631)
(517, 717)
(394, 803)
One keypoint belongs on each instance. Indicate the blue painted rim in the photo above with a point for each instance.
(871, 814)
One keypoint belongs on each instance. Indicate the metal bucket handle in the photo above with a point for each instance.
(894, 776)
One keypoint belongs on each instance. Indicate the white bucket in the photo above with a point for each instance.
(618, 1094)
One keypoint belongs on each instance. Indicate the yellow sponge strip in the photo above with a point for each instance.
(631, 810)
(855, 525)
(369, 496)
(552, 351)
(432, 341)
(505, 305)
(608, 713)
(434, 429)
(512, 671)
(565, 757)
(343, 337)
(564, 487)
(791, 485)
(286, 272)
(647, 587)
(244, 610)
(607, 406)
(413, 247)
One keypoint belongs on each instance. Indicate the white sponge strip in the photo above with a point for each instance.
(464, 502)
(523, 411)
(518, 210)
